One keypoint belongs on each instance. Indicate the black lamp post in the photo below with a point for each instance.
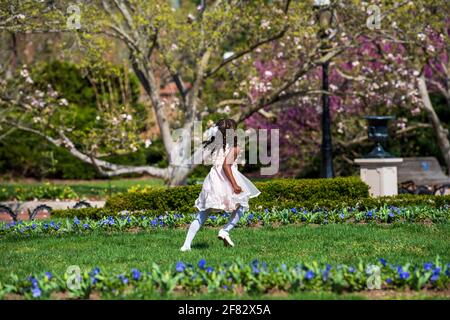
(324, 15)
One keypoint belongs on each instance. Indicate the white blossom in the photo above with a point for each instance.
(63, 102)
(147, 143)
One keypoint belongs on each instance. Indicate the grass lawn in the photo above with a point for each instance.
(332, 243)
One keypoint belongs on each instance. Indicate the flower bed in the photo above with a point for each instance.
(359, 204)
(236, 277)
(147, 220)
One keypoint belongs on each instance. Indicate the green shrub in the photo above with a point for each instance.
(275, 193)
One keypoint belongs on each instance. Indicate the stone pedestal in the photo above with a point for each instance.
(380, 175)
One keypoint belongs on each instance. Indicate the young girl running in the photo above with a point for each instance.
(224, 188)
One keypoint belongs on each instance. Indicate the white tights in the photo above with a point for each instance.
(201, 218)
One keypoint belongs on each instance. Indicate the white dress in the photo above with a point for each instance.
(217, 192)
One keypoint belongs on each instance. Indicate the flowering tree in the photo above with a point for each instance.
(218, 43)
(380, 74)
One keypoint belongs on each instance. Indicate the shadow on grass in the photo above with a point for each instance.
(201, 245)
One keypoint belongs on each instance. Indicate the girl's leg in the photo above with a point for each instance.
(194, 227)
(234, 219)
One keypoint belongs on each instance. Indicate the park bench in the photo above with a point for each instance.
(422, 175)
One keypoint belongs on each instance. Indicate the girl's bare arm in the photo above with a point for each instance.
(227, 163)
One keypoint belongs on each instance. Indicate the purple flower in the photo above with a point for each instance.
(180, 266)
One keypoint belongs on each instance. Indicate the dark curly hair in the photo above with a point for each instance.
(223, 125)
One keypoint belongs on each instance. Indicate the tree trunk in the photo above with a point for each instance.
(178, 176)
(440, 131)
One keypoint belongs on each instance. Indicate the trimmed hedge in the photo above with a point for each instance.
(281, 193)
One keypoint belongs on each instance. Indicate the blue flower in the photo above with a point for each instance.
(95, 271)
(45, 226)
(86, 226)
(436, 273)
(202, 264)
(225, 287)
(154, 223)
(250, 216)
(213, 218)
(124, 279)
(294, 210)
(434, 277)
(391, 214)
(259, 217)
(136, 274)
(36, 292)
(210, 269)
(370, 213)
(76, 221)
(403, 274)
(255, 270)
(383, 261)
(388, 280)
(33, 226)
(351, 269)
(428, 266)
(309, 275)
(180, 266)
(48, 275)
(52, 224)
(342, 216)
(266, 210)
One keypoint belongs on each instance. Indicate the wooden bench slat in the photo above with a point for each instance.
(422, 171)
